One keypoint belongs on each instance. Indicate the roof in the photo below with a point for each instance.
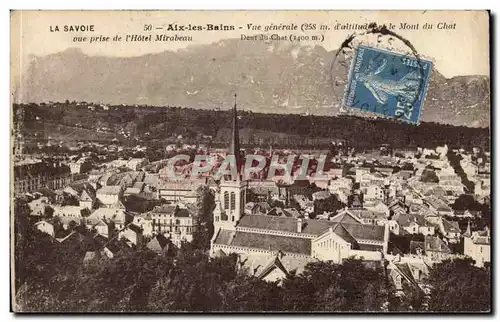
(45, 192)
(139, 185)
(287, 212)
(75, 211)
(87, 195)
(83, 186)
(405, 270)
(115, 246)
(369, 247)
(89, 256)
(275, 263)
(42, 222)
(405, 220)
(69, 220)
(437, 203)
(482, 240)
(256, 263)
(132, 190)
(292, 212)
(224, 237)
(174, 210)
(342, 231)
(405, 174)
(134, 160)
(118, 205)
(364, 213)
(181, 212)
(74, 236)
(164, 209)
(365, 232)
(136, 229)
(177, 185)
(115, 214)
(451, 226)
(311, 227)
(100, 240)
(346, 216)
(114, 179)
(109, 190)
(263, 241)
(220, 253)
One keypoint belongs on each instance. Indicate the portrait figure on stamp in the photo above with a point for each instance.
(388, 84)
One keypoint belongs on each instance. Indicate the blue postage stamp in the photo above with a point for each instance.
(387, 84)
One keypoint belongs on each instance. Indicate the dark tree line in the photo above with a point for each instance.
(163, 122)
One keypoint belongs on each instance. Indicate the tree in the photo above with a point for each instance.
(32, 248)
(413, 299)
(195, 283)
(122, 283)
(458, 286)
(205, 227)
(455, 163)
(330, 204)
(206, 203)
(48, 212)
(247, 293)
(466, 202)
(326, 286)
(37, 283)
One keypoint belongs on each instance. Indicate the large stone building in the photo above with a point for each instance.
(177, 221)
(31, 175)
(477, 246)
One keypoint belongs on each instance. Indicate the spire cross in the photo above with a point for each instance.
(235, 139)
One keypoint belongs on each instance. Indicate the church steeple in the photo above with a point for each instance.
(231, 195)
(234, 148)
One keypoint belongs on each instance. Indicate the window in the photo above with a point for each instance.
(233, 201)
(226, 200)
(216, 218)
(398, 282)
(232, 218)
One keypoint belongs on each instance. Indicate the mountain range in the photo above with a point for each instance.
(269, 77)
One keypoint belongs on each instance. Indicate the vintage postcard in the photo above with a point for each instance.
(250, 161)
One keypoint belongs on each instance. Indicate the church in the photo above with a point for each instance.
(271, 247)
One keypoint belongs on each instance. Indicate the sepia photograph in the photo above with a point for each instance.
(250, 161)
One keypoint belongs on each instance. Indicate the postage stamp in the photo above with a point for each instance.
(388, 84)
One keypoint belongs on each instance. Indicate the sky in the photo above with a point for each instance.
(463, 50)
